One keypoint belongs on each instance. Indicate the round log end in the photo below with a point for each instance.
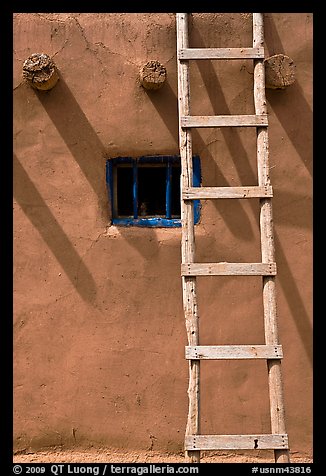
(279, 71)
(152, 75)
(40, 71)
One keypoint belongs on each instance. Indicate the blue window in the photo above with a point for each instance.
(145, 191)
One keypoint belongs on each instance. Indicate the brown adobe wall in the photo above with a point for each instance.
(99, 329)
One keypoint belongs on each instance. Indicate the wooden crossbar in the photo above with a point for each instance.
(246, 120)
(222, 352)
(202, 193)
(228, 269)
(220, 53)
(236, 442)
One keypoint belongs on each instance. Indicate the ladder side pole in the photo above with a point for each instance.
(267, 246)
(188, 235)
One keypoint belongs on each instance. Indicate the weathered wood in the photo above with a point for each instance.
(267, 245)
(221, 352)
(40, 71)
(220, 53)
(195, 442)
(188, 235)
(236, 442)
(279, 71)
(202, 193)
(228, 269)
(224, 121)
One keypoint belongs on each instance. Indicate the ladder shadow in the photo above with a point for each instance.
(295, 115)
(166, 106)
(289, 105)
(287, 212)
(301, 217)
(79, 136)
(231, 138)
(294, 299)
(234, 214)
(39, 214)
(236, 148)
(147, 245)
(220, 106)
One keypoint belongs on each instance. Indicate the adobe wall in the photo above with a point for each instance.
(99, 327)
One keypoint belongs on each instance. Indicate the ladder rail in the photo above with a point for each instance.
(188, 236)
(267, 245)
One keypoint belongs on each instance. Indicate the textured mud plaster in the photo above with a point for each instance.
(99, 325)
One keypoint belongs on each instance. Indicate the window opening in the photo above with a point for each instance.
(145, 191)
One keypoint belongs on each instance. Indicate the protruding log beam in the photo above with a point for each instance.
(279, 71)
(153, 75)
(40, 71)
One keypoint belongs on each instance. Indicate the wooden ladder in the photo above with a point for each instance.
(271, 351)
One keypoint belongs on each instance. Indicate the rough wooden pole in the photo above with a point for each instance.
(267, 246)
(188, 237)
(40, 71)
(152, 75)
(279, 71)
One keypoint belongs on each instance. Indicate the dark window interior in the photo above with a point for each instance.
(151, 191)
(145, 191)
(124, 191)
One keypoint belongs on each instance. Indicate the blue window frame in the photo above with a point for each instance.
(145, 191)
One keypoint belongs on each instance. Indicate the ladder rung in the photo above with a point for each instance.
(220, 53)
(192, 193)
(228, 269)
(236, 442)
(224, 352)
(247, 120)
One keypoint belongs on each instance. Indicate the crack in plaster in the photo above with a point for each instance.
(211, 142)
(102, 45)
(60, 49)
(16, 87)
(96, 240)
(93, 242)
(54, 20)
(88, 44)
(172, 57)
(62, 297)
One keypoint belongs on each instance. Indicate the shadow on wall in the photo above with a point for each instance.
(289, 105)
(33, 205)
(245, 172)
(89, 153)
(79, 136)
(237, 221)
(295, 115)
(87, 149)
(166, 104)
